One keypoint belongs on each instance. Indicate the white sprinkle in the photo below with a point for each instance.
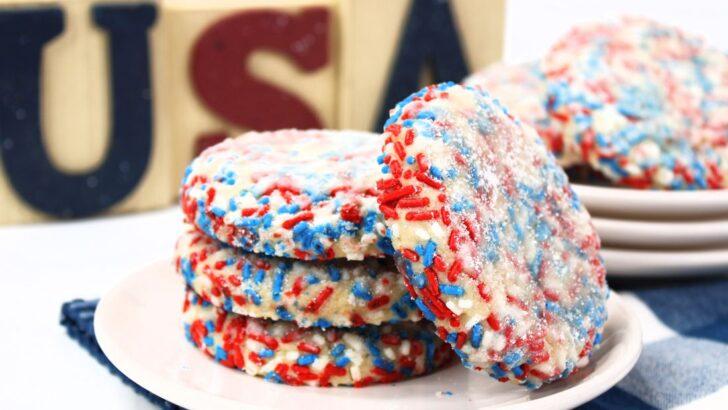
(319, 340)
(465, 303)
(404, 348)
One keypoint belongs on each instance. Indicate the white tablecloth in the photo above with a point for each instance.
(43, 266)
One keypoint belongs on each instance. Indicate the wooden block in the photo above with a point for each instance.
(77, 113)
(236, 66)
(374, 54)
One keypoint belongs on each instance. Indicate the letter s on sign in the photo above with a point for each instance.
(222, 81)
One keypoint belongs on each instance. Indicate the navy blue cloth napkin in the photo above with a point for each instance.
(77, 316)
(685, 324)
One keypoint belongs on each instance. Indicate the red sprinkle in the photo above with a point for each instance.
(493, 322)
(378, 302)
(396, 168)
(410, 254)
(315, 304)
(350, 212)
(384, 184)
(308, 348)
(454, 240)
(397, 194)
(388, 212)
(454, 271)
(425, 179)
(409, 137)
(422, 162)
(421, 215)
(303, 216)
(399, 149)
(413, 202)
(432, 283)
(445, 216)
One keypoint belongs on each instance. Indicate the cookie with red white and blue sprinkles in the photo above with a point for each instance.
(307, 195)
(491, 240)
(524, 90)
(645, 104)
(336, 293)
(282, 352)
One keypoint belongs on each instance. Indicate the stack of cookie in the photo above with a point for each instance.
(284, 260)
(638, 103)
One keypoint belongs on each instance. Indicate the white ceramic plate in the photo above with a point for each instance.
(138, 325)
(623, 262)
(625, 233)
(646, 204)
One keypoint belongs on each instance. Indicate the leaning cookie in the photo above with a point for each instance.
(490, 237)
(523, 89)
(308, 195)
(644, 103)
(284, 353)
(322, 294)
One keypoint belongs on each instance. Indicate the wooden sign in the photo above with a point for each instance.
(103, 104)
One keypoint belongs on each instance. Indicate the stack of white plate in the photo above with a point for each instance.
(659, 233)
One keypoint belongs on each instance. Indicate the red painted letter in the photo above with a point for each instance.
(221, 79)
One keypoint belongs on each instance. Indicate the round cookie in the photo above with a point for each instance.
(523, 89)
(491, 239)
(284, 353)
(308, 195)
(645, 104)
(322, 294)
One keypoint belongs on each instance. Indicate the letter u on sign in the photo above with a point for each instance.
(23, 34)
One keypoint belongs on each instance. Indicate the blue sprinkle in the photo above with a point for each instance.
(220, 354)
(267, 220)
(322, 323)
(208, 341)
(425, 310)
(253, 295)
(385, 169)
(278, 284)
(259, 276)
(283, 313)
(306, 359)
(410, 159)
(338, 350)
(476, 335)
(452, 290)
(334, 273)
(429, 253)
(265, 353)
(436, 172)
(342, 361)
(511, 358)
(384, 364)
(361, 292)
(273, 377)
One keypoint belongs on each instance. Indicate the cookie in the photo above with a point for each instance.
(323, 294)
(308, 195)
(523, 89)
(645, 104)
(284, 353)
(491, 239)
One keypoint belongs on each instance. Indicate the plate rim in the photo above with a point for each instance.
(700, 234)
(653, 204)
(189, 397)
(713, 262)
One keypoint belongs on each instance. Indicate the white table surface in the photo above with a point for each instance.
(47, 264)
